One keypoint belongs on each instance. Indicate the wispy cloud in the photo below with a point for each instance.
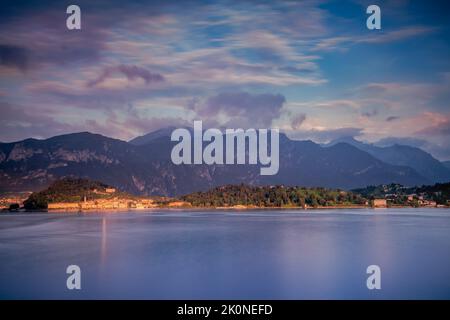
(438, 124)
(392, 118)
(344, 42)
(325, 135)
(130, 72)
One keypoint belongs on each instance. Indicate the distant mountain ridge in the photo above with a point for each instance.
(143, 166)
(149, 137)
(403, 155)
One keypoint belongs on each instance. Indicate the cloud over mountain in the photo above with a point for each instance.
(241, 109)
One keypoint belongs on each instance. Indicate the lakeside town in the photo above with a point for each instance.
(70, 194)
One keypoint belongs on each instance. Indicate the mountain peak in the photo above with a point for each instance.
(346, 139)
(402, 155)
(167, 131)
(151, 136)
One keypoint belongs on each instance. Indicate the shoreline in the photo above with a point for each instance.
(192, 208)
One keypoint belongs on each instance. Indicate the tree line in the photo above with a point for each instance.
(272, 196)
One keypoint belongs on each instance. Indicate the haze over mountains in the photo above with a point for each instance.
(143, 165)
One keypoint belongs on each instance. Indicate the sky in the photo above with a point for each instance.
(311, 68)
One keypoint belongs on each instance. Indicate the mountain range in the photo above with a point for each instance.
(403, 155)
(143, 165)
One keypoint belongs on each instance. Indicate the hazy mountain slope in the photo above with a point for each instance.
(446, 164)
(149, 137)
(403, 155)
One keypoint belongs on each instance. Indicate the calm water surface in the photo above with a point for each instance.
(227, 255)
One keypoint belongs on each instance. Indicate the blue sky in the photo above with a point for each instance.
(311, 68)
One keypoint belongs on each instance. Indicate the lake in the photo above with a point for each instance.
(265, 254)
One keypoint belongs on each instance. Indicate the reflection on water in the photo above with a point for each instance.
(104, 237)
(231, 255)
